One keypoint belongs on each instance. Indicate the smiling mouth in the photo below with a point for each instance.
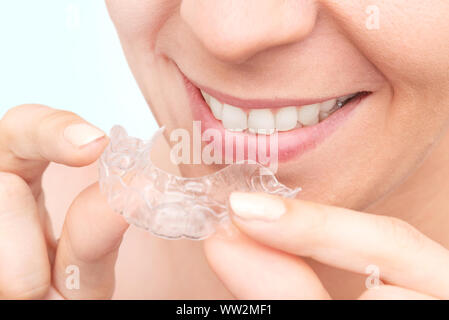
(266, 120)
(300, 125)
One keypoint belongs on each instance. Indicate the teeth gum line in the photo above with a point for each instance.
(267, 121)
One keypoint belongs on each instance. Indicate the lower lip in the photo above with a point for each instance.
(291, 144)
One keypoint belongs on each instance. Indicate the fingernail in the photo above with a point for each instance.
(82, 134)
(257, 206)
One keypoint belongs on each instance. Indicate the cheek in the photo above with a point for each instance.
(408, 50)
(408, 45)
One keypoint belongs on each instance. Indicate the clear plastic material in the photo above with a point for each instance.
(170, 206)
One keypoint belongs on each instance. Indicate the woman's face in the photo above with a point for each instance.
(257, 57)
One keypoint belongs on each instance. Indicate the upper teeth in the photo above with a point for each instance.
(266, 121)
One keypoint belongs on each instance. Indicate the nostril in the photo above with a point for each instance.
(233, 31)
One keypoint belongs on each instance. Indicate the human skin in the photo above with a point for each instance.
(208, 42)
(385, 164)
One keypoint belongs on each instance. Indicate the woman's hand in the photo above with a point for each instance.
(411, 266)
(32, 263)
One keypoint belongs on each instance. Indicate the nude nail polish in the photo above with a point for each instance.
(258, 206)
(81, 134)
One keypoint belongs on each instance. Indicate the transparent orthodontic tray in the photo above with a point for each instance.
(170, 206)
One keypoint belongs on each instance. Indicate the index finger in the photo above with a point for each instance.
(33, 135)
(345, 239)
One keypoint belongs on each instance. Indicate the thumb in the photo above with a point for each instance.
(88, 248)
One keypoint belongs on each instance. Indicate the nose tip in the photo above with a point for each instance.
(235, 30)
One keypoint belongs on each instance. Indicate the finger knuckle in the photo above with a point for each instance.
(318, 223)
(14, 192)
(11, 184)
(402, 233)
(52, 121)
(24, 289)
(57, 116)
(14, 116)
(47, 116)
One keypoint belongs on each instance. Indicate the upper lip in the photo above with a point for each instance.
(264, 103)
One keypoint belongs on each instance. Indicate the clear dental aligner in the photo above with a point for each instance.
(170, 206)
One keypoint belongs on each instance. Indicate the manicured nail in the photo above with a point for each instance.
(81, 134)
(257, 206)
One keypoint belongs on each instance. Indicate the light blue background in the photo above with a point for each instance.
(66, 54)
